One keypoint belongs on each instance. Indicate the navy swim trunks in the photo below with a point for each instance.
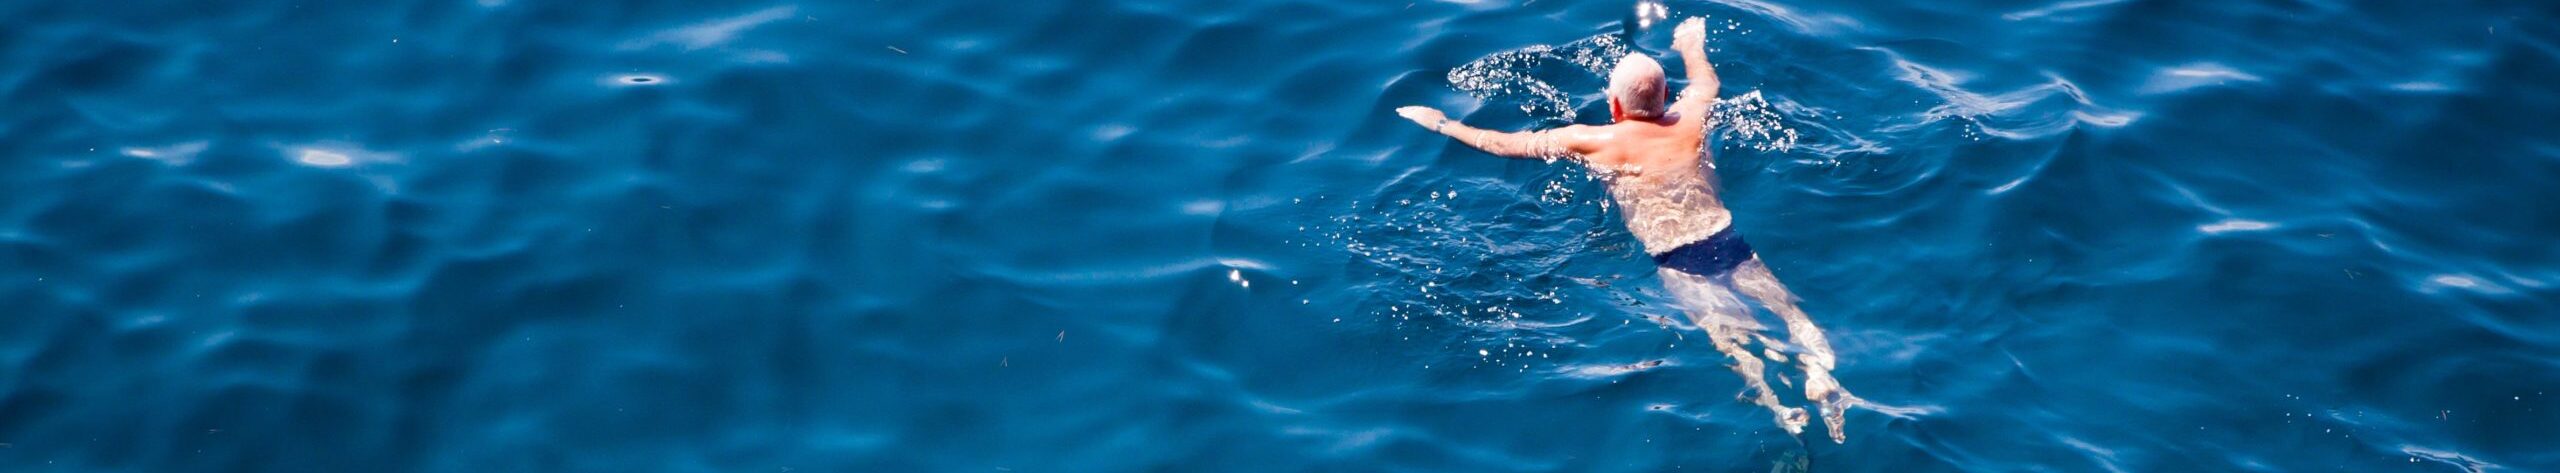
(1711, 257)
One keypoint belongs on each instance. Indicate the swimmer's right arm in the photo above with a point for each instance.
(1561, 143)
(1691, 41)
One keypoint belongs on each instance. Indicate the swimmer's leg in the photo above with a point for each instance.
(1815, 355)
(1728, 339)
(1717, 311)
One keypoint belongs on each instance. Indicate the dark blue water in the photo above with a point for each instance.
(508, 235)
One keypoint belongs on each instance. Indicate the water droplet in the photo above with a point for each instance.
(323, 158)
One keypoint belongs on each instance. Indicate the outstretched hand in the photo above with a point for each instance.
(1426, 116)
(1691, 36)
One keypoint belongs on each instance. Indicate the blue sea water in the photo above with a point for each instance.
(1185, 235)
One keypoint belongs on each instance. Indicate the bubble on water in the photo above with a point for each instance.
(636, 80)
(323, 158)
(1556, 192)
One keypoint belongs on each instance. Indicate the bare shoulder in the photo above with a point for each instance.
(1580, 132)
(1697, 117)
(1585, 140)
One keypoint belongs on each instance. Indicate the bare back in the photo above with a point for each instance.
(1660, 174)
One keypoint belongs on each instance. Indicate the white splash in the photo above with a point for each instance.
(1514, 75)
(1749, 120)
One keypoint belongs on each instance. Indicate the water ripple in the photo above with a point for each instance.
(2080, 235)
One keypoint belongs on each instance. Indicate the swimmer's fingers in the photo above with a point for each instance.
(1691, 35)
(1421, 115)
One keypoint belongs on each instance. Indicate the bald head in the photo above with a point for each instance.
(1637, 87)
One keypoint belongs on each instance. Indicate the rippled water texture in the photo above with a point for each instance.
(507, 235)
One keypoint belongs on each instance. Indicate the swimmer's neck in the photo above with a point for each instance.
(1619, 117)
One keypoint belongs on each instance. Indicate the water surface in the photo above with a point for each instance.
(509, 235)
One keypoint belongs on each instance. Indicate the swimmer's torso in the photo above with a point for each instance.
(1665, 213)
(1658, 175)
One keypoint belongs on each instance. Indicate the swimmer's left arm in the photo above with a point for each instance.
(1546, 144)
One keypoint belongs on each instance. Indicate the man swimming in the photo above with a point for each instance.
(1654, 160)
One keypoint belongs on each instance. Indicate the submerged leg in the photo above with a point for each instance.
(1814, 355)
(1717, 311)
(1728, 339)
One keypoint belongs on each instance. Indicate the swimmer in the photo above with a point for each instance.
(1655, 163)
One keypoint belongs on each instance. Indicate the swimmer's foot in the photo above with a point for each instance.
(1792, 419)
(1834, 401)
